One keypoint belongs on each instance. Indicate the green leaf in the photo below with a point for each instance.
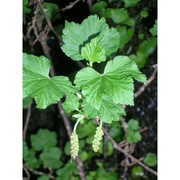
(137, 172)
(150, 159)
(26, 10)
(26, 102)
(44, 177)
(51, 158)
(116, 82)
(144, 13)
(145, 49)
(25, 150)
(119, 15)
(51, 9)
(43, 139)
(130, 3)
(30, 160)
(38, 84)
(133, 136)
(125, 35)
(153, 30)
(71, 103)
(69, 167)
(75, 36)
(86, 130)
(99, 8)
(93, 51)
(133, 124)
(107, 112)
(67, 148)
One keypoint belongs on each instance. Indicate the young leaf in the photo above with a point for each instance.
(93, 51)
(51, 158)
(43, 139)
(116, 82)
(75, 36)
(150, 159)
(38, 84)
(71, 103)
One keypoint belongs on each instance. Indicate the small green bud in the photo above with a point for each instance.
(97, 138)
(74, 145)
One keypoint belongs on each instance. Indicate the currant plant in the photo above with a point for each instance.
(94, 94)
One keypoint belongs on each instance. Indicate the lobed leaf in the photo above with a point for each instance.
(38, 84)
(76, 36)
(116, 82)
(43, 139)
(51, 158)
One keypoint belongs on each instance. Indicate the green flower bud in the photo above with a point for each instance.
(74, 145)
(97, 138)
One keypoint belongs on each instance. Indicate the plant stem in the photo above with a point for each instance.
(27, 121)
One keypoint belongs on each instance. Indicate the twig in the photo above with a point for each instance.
(27, 173)
(142, 88)
(48, 21)
(27, 121)
(117, 147)
(41, 173)
(69, 6)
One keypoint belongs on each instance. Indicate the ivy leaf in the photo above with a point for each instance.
(71, 103)
(43, 139)
(38, 84)
(75, 36)
(116, 82)
(150, 159)
(51, 158)
(93, 51)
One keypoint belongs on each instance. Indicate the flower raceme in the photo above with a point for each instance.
(74, 145)
(97, 138)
